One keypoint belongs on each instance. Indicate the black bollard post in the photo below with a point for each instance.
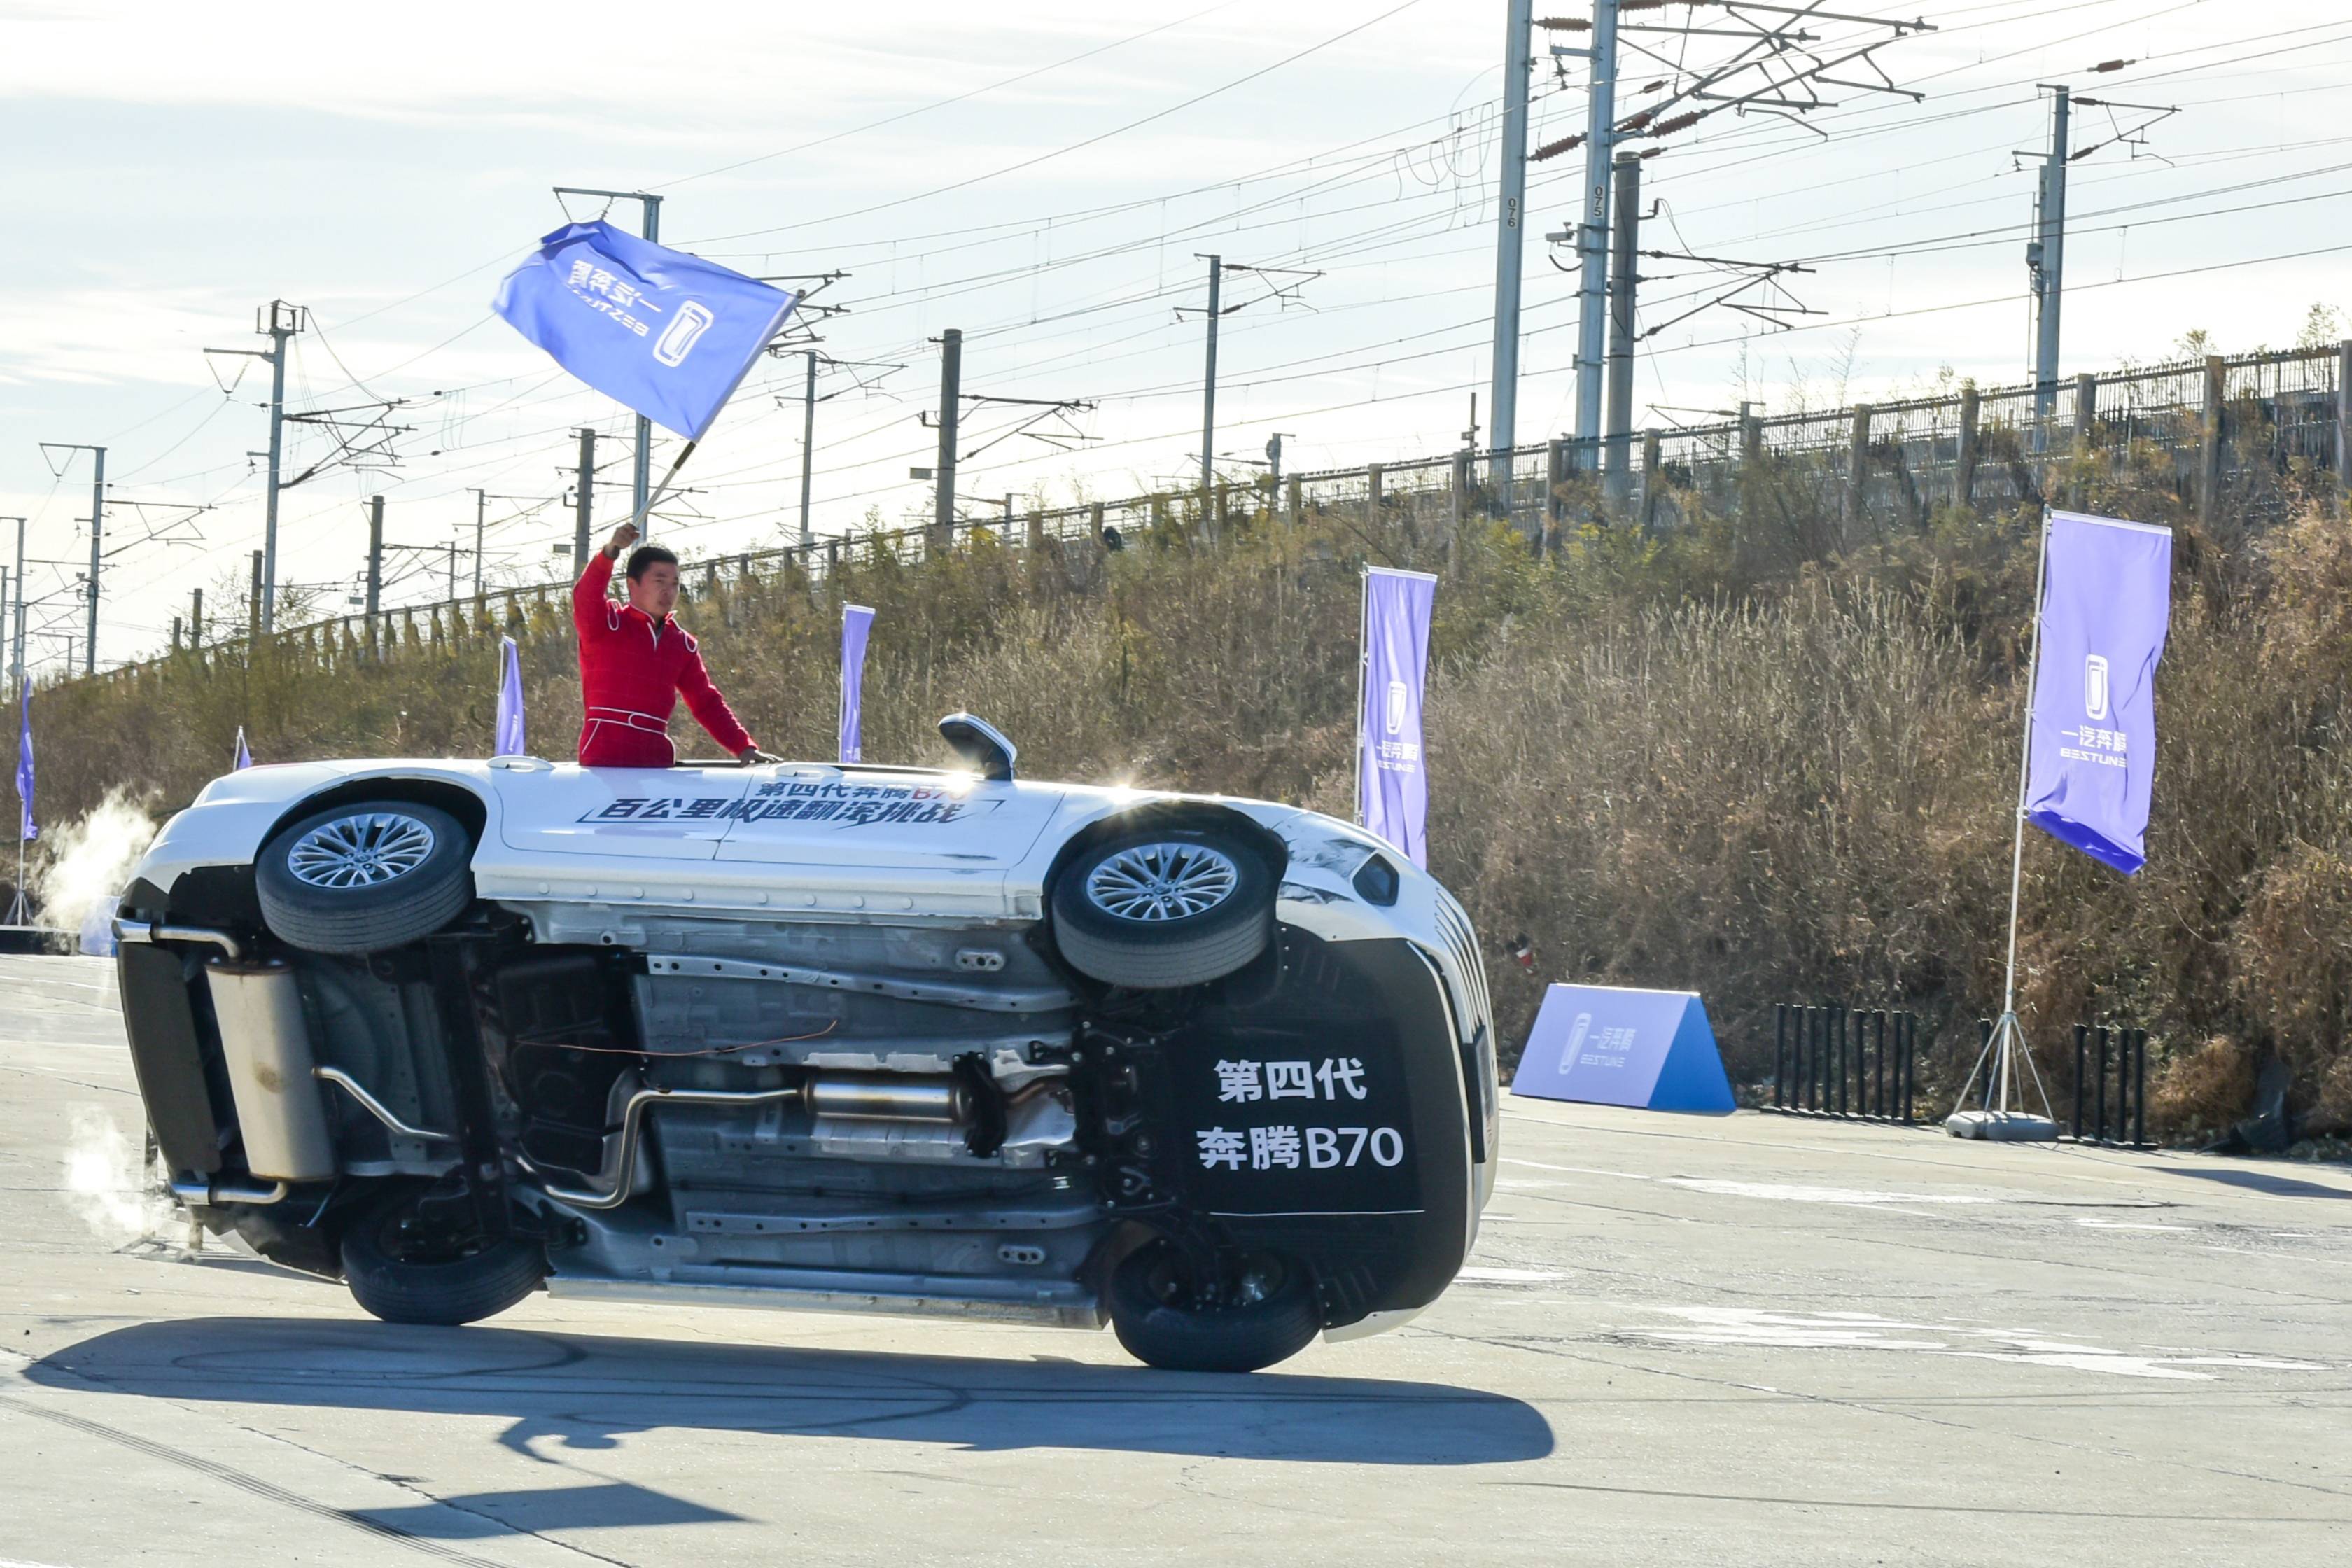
(2102, 1101)
(1780, 1054)
(1878, 1031)
(1838, 1059)
(2139, 1088)
(2082, 1033)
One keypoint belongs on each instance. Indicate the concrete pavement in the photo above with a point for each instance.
(1752, 1339)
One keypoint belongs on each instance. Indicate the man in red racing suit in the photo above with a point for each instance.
(636, 661)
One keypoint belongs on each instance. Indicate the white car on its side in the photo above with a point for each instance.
(855, 1037)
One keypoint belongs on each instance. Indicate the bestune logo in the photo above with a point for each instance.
(1398, 698)
(2095, 696)
(678, 339)
(1582, 1028)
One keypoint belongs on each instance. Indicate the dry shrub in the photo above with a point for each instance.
(2204, 1091)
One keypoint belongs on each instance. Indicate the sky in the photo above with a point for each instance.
(1047, 177)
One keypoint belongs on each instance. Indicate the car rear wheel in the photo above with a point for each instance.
(1163, 906)
(1267, 1313)
(406, 1262)
(363, 877)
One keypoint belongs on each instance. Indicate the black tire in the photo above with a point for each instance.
(1156, 1317)
(366, 876)
(446, 1282)
(1138, 942)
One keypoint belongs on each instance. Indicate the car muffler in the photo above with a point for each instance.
(890, 1097)
(266, 1043)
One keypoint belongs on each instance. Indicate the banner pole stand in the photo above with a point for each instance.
(1996, 1119)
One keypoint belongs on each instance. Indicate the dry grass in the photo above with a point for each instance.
(1726, 761)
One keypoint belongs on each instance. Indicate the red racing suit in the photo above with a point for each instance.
(632, 673)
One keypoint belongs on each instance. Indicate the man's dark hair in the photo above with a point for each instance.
(645, 555)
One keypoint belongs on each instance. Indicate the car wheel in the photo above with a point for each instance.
(1163, 906)
(405, 1270)
(365, 876)
(1269, 1315)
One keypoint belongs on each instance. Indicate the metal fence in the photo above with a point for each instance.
(2104, 1057)
(1836, 1060)
(2226, 431)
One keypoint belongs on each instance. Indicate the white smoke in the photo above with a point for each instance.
(109, 1187)
(86, 864)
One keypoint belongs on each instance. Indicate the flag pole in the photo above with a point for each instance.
(1364, 678)
(20, 908)
(661, 490)
(2008, 1039)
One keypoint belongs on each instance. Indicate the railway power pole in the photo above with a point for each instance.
(374, 560)
(1618, 472)
(583, 502)
(1592, 229)
(481, 505)
(15, 630)
(1510, 237)
(641, 463)
(1776, 67)
(2046, 262)
(195, 617)
(279, 322)
(808, 448)
(97, 541)
(944, 470)
(1209, 385)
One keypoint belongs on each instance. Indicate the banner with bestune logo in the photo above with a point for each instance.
(1392, 788)
(857, 620)
(2106, 598)
(26, 830)
(669, 334)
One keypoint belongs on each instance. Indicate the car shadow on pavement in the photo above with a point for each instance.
(583, 1391)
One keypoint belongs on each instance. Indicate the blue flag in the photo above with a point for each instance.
(857, 620)
(669, 334)
(1392, 790)
(26, 830)
(510, 742)
(2107, 599)
(244, 758)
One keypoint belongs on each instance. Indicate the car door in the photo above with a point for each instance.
(914, 840)
(637, 814)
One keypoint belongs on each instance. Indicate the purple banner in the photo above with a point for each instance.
(1391, 789)
(244, 758)
(2106, 598)
(24, 828)
(857, 620)
(509, 742)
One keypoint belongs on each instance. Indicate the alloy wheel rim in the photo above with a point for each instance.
(366, 849)
(1158, 882)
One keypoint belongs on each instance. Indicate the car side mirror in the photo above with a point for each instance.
(979, 742)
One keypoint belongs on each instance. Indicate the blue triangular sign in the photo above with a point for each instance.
(1613, 1045)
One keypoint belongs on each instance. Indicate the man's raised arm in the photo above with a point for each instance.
(588, 595)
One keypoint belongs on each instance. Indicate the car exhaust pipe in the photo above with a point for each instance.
(196, 1190)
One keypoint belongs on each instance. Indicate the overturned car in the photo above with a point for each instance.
(841, 1036)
